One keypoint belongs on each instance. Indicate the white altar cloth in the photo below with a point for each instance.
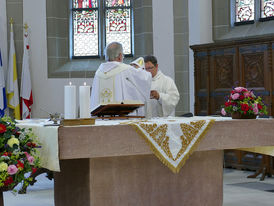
(48, 137)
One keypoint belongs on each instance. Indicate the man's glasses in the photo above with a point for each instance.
(149, 68)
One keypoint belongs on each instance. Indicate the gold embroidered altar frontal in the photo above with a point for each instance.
(172, 140)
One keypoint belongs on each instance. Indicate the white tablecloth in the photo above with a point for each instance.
(48, 137)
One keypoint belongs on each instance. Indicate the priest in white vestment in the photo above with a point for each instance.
(115, 81)
(164, 95)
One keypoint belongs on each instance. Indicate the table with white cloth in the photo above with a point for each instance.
(162, 161)
(47, 137)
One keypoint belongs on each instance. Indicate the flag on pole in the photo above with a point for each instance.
(12, 82)
(3, 97)
(26, 92)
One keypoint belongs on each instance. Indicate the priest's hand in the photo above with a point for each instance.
(154, 95)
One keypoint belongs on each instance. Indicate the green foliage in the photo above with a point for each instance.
(18, 154)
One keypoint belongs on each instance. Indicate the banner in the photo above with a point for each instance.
(26, 92)
(12, 81)
(3, 97)
(3, 58)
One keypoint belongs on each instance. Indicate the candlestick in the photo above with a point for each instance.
(70, 101)
(84, 101)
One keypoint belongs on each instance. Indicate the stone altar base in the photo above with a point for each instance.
(140, 180)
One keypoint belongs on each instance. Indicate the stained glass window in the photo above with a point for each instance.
(267, 8)
(244, 10)
(117, 3)
(85, 28)
(92, 18)
(118, 28)
(79, 4)
(85, 33)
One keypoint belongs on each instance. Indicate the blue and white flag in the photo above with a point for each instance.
(3, 97)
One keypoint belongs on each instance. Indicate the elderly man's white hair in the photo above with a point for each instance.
(113, 50)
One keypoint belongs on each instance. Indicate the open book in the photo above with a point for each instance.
(117, 108)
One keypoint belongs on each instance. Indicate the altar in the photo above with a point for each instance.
(112, 165)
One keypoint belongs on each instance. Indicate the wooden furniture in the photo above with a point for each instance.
(242, 160)
(79, 121)
(221, 65)
(266, 168)
(113, 165)
(115, 109)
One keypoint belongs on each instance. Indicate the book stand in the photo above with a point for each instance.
(116, 111)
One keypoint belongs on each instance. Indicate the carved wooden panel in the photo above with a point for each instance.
(254, 69)
(202, 64)
(201, 83)
(223, 66)
(203, 106)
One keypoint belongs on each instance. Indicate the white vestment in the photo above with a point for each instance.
(169, 96)
(116, 82)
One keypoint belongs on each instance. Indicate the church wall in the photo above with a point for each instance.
(48, 92)
(200, 32)
(3, 36)
(223, 28)
(181, 53)
(60, 65)
(163, 38)
(45, 33)
(15, 10)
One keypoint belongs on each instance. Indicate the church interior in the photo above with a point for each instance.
(207, 47)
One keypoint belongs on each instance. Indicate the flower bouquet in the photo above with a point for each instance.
(18, 155)
(243, 104)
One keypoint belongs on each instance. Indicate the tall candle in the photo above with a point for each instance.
(70, 101)
(84, 101)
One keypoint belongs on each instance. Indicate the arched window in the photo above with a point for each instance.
(267, 8)
(244, 10)
(99, 22)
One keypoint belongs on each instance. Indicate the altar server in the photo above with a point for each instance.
(164, 95)
(115, 81)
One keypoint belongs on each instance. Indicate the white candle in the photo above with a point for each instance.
(84, 101)
(70, 101)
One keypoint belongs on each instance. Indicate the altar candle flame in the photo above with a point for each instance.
(85, 83)
(70, 83)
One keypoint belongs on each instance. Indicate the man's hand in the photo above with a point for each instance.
(154, 95)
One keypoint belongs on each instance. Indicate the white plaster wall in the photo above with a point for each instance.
(3, 35)
(200, 32)
(163, 35)
(48, 94)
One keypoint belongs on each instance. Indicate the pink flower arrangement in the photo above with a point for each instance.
(243, 101)
(18, 154)
(30, 159)
(12, 169)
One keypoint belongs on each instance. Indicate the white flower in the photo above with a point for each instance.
(3, 166)
(13, 141)
(21, 137)
(235, 108)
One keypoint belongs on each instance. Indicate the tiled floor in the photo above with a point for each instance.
(40, 194)
(242, 191)
(238, 191)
